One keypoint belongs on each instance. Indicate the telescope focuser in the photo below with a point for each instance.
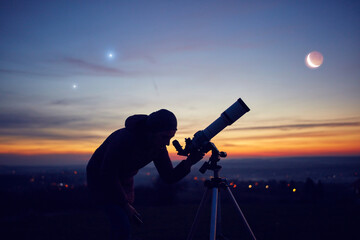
(179, 148)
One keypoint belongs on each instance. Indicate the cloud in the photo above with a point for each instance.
(29, 73)
(80, 67)
(79, 63)
(47, 134)
(298, 126)
(44, 159)
(32, 119)
(77, 66)
(152, 52)
(232, 141)
(287, 136)
(75, 101)
(290, 131)
(34, 124)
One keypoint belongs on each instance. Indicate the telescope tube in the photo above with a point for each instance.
(228, 117)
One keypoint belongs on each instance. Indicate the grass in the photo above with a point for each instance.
(173, 222)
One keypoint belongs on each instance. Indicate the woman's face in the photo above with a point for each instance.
(161, 139)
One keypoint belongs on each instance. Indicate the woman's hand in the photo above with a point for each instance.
(195, 157)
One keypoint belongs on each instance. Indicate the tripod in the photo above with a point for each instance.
(213, 187)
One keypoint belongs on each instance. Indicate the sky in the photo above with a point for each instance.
(71, 72)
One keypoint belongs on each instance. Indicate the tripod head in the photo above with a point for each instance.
(212, 164)
(206, 147)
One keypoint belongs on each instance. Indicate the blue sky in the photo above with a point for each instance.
(194, 58)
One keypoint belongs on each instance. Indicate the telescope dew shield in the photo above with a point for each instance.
(228, 117)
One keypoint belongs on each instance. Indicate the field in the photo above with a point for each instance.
(53, 203)
(268, 220)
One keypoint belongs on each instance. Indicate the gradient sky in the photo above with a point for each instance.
(61, 94)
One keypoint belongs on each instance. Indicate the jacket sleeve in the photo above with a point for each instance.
(166, 170)
(109, 174)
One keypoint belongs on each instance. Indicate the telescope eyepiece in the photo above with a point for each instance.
(179, 148)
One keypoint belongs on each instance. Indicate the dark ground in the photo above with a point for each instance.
(268, 221)
(55, 205)
(69, 215)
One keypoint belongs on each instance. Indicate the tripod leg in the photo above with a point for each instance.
(214, 209)
(218, 227)
(199, 211)
(240, 212)
(219, 234)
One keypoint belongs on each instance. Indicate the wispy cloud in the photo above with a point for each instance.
(30, 73)
(67, 66)
(174, 45)
(32, 119)
(298, 126)
(12, 136)
(286, 136)
(44, 159)
(78, 66)
(75, 101)
(82, 64)
(34, 124)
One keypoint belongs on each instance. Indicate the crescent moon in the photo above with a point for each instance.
(308, 60)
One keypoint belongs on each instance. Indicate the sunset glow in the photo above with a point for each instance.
(63, 92)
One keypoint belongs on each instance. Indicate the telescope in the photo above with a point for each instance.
(203, 137)
(201, 142)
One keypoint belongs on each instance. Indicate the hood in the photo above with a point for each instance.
(136, 123)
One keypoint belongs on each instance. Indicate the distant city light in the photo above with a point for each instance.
(294, 190)
(250, 186)
(75, 172)
(74, 86)
(267, 186)
(234, 186)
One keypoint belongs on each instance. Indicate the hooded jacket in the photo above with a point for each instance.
(112, 167)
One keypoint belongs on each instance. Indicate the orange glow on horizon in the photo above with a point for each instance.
(277, 142)
(259, 151)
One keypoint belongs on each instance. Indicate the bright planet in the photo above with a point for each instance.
(314, 59)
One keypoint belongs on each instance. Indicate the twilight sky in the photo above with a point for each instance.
(72, 71)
